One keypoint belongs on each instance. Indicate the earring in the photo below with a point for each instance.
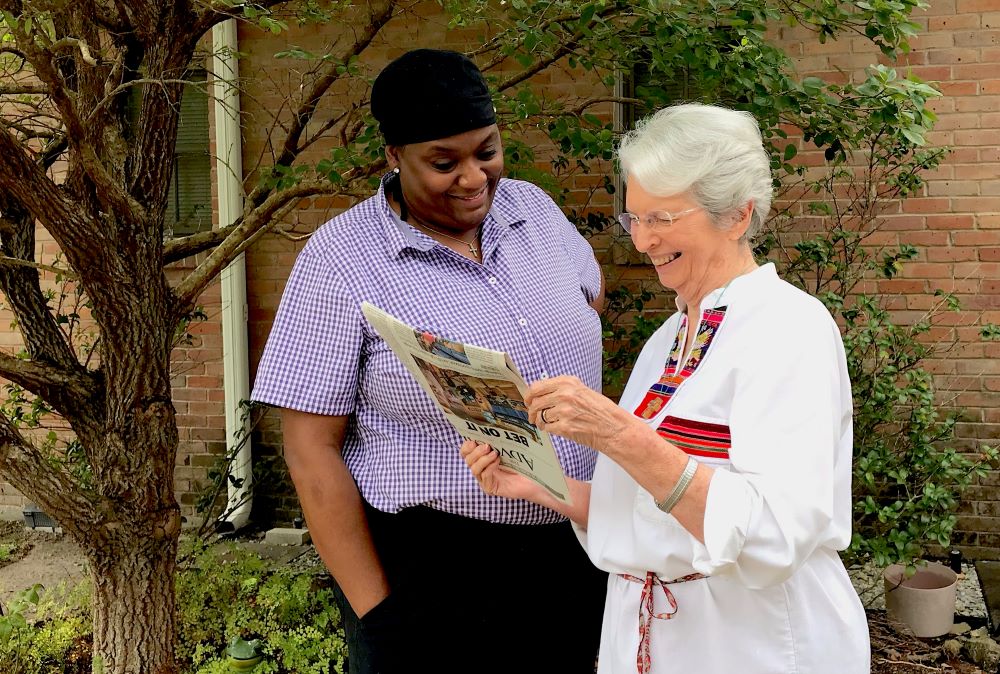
(396, 170)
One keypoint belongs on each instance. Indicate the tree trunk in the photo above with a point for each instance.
(134, 617)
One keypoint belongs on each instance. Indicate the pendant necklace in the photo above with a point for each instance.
(404, 212)
(473, 248)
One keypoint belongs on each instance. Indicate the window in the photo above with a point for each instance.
(189, 202)
(639, 82)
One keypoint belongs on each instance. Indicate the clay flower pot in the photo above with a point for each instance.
(925, 601)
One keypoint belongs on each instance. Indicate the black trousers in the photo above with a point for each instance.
(473, 596)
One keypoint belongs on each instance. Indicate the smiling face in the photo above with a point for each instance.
(449, 183)
(692, 256)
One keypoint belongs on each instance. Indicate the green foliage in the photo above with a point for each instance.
(227, 594)
(182, 333)
(907, 479)
(231, 603)
(38, 633)
(269, 476)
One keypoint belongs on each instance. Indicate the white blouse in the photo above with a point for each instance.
(764, 398)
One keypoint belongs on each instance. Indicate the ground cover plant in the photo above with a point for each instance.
(225, 592)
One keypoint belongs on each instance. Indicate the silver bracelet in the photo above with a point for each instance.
(667, 504)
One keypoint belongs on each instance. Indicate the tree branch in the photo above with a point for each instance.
(186, 246)
(19, 281)
(29, 185)
(74, 43)
(112, 195)
(21, 89)
(125, 86)
(17, 262)
(29, 471)
(213, 14)
(240, 237)
(66, 390)
(545, 61)
(378, 16)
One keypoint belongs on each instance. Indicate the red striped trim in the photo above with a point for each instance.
(697, 438)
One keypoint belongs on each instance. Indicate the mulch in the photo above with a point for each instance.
(895, 651)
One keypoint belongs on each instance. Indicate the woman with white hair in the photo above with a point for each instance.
(723, 488)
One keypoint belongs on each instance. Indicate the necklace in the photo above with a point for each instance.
(473, 248)
(397, 190)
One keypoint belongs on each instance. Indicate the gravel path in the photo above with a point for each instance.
(969, 596)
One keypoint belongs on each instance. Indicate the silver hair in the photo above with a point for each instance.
(714, 153)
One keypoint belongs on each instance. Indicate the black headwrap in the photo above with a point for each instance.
(427, 94)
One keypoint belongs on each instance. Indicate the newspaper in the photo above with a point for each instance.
(480, 392)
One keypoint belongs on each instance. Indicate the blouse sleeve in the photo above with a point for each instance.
(784, 496)
(310, 362)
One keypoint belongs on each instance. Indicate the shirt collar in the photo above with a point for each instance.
(502, 216)
(731, 291)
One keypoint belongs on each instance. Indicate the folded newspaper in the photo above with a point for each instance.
(480, 392)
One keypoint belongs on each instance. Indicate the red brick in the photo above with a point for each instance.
(925, 205)
(985, 38)
(975, 137)
(940, 188)
(976, 204)
(936, 73)
(961, 88)
(953, 55)
(975, 238)
(951, 254)
(950, 23)
(980, 172)
(972, 6)
(976, 103)
(958, 286)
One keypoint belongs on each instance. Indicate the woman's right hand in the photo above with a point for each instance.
(493, 478)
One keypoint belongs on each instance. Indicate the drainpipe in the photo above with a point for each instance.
(229, 172)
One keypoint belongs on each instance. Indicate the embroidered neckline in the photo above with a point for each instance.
(661, 392)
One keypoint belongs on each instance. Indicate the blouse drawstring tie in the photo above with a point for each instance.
(646, 614)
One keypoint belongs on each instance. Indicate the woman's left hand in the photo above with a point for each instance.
(566, 406)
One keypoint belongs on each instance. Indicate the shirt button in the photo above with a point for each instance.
(493, 280)
(522, 322)
(545, 375)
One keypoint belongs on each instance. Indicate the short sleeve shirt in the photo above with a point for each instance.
(529, 297)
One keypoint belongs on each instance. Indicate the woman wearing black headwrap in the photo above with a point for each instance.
(426, 559)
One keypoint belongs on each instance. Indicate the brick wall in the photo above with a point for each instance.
(954, 221)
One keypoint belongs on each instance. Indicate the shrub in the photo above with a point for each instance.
(907, 477)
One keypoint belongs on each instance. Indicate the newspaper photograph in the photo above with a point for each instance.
(480, 392)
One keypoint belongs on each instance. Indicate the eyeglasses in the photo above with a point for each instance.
(656, 221)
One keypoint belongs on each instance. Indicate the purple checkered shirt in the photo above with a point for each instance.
(529, 298)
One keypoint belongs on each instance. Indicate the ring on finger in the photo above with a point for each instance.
(542, 415)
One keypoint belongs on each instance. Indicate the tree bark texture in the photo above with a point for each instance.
(134, 621)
